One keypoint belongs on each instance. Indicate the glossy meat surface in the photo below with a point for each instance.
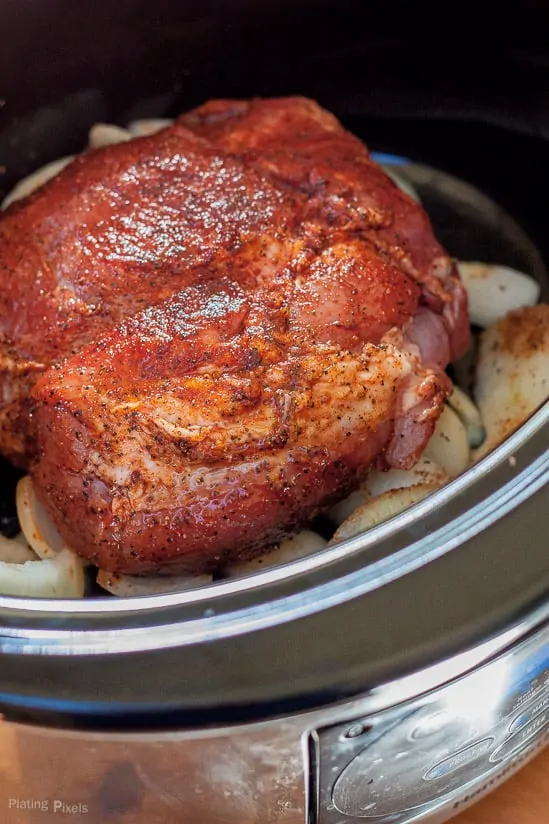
(118, 230)
(229, 322)
(210, 426)
(305, 149)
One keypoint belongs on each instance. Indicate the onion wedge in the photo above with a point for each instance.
(34, 181)
(425, 471)
(36, 525)
(134, 586)
(12, 551)
(298, 546)
(403, 184)
(512, 372)
(494, 291)
(377, 482)
(344, 509)
(141, 128)
(469, 415)
(382, 508)
(59, 577)
(449, 444)
(105, 134)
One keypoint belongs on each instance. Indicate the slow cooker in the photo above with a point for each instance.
(397, 676)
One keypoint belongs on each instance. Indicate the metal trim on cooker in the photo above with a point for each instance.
(401, 691)
(217, 623)
(287, 652)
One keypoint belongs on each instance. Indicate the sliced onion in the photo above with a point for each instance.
(304, 543)
(12, 551)
(512, 372)
(105, 134)
(402, 183)
(141, 128)
(343, 509)
(40, 533)
(494, 291)
(382, 508)
(449, 445)
(426, 471)
(134, 586)
(59, 577)
(37, 179)
(469, 415)
(377, 482)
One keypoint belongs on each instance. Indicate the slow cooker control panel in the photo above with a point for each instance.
(437, 753)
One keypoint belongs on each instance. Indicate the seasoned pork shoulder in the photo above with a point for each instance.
(209, 334)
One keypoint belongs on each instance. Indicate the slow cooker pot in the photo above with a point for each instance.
(397, 676)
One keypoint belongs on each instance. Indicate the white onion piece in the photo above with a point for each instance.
(37, 179)
(402, 183)
(377, 482)
(381, 508)
(141, 128)
(449, 445)
(135, 586)
(512, 372)
(343, 509)
(469, 415)
(298, 546)
(104, 134)
(494, 291)
(59, 577)
(12, 551)
(425, 471)
(40, 533)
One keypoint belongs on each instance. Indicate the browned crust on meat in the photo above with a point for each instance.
(184, 294)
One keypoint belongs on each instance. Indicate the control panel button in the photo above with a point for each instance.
(459, 759)
(515, 743)
(387, 772)
(430, 725)
(399, 765)
(538, 706)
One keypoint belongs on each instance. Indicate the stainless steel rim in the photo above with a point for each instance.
(30, 628)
